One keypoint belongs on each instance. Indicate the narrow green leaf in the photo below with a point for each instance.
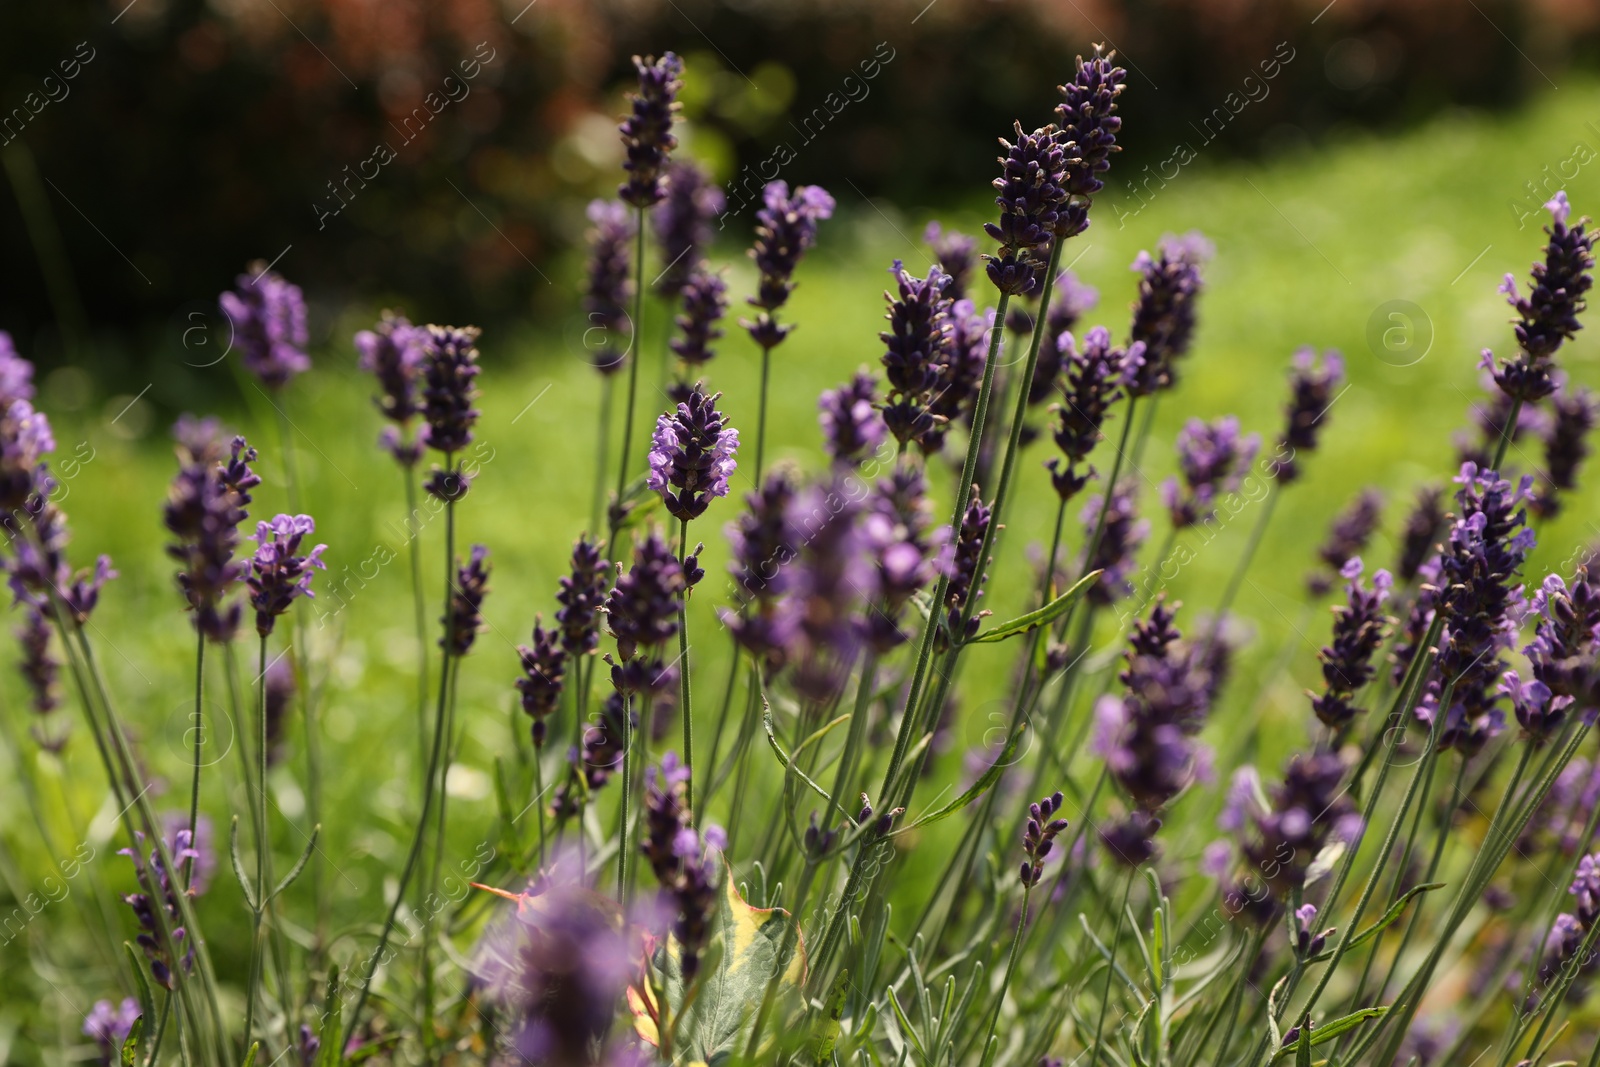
(250, 1057)
(1330, 1030)
(238, 866)
(981, 786)
(1039, 616)
(788, 763)
(1302, 1055)
(1394, 912)
(331, 1053)
(130, 1044)
(147, 1000)
(300, 864)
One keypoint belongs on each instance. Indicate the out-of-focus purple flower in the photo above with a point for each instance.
(1217, 859)
(16, 373)
(642, 609)
(851, 428)
(1164, 313)
(1586, 889)
(1032, 201)
(1071, 301)
(1120, 537)
(1095, 377)
(692, 456)
(1419, 539)
(278, 572)
(1308, 809)
(544, 669)
(175, 829)
(1358, 629)
(1246, 800)
(25, 444)
(765, 544)
(599, 757)
(393, 352)
(204, 508)
(1548, 315)
(159, 892)
(41, 671)
(833, 581)
(1566, 445)
(1311, 390)
(608, 287)
(108, 1027)
(582, 597)
(557, 965)
(1089, 124)
(1131, 839)
(647, 131)
(682, 223)
(1213, 460)
(967, 572)
(1039, 837)
(899, 535)
(1561, 655)
(917, 343)
(705, 301)
(1348, 535)
(961, 374)
(785, 228)
(268, 315)
(1481, 602)
(281, 688)
(463, 616)
(956, 254)
(681, 859)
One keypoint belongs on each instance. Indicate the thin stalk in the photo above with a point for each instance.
(257, 950)
(633, 360)
(433, 871)
(1005, 981)
(420, 611)
(761, 412)
(1111, 968)
(601, 453)
(627, 793)
(741, 755)
(199, 744)
(687, 705)
(1237, 579)
(722, 722)
(1507, 431)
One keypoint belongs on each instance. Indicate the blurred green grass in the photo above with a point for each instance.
(1308, 249)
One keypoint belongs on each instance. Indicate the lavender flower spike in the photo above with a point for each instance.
(1358, 630)
(967, 572)
(956, 254)
(705, 301)
(160, 895)
(1096, 374)
(692, 456)
(463, 617)
(278, 573)
(1351, 530)
(642, 609)
(582, 598)
(1548, 315)
(1307, 809)
(1420, 536)
(683, 224)
(108, 1027)
(1089, 123)
(786, 226)
(544, 666)
(898, 530)
(647, 131)
(917, 344)
(766, 541)
(393, 352)
(851, 427)
(450, 373)
(1040, 836)
(204, 508)
(961, 373)
(268, 316)
(1566, 446)
(1032, 198)
(41, 671)
(16, 373)
(25, 443)
(1120, 537)
(1561, 654)
(1213, 460)
(1164, 313)
(608, 335)
(1311, 391)
(1071, 300)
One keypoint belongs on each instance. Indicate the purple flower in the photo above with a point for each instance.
(108, 1027)
(647, 131)
(681, 859)
(268, 315)
(1072, 300)
(785, 228)
(463, 616)
(41, 671)
(175, 830)
(1358, 630)
(1561, 655)
(961, 373)
(393, 352)
(833, 579)
(1032, 202)
(1131, 839)
(450, 370)
(608, 289)
(16, 373)
(1586, 888)
(1089, 124)
(544, 668)
(204, 508)
(705, 301)
(899, 535)
(1040, 836)
(1120, 537)
(1419, 539)
(278, 573)
(956, 254)
(1560, 947)
(1351, 530)
(765, 544)
(158, 905)
(692, 456)
(1548, 315)
(598, 758)
(1308, 808)
(1095, 376)
(1311, 391)
(1213, 459)
(25, 444)
(642, 609)
(582, 598)
(851, 427)
(1164, 313)
(1245, 800)
(917, 343)
(683, 224)
(967, 572)
(1566, 445)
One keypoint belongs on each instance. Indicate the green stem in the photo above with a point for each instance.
(1111, 968)
(601, 452)
(257, 950)
(1011, 966)
(199, 743)
(761, 413)
(627, 793)
(1237, 579)
(420, 611)
(687, 709)
(633, 360)
(1507, 432)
